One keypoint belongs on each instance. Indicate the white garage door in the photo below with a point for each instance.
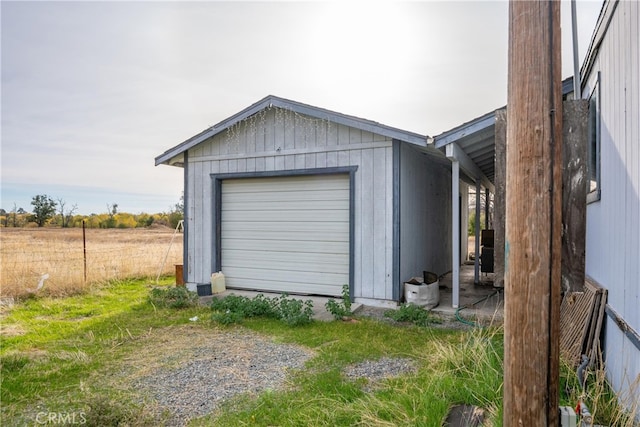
(286, 234)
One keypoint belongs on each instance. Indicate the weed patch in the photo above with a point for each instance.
(413, 314)
(234, 309)
(341, 309)
(173, 297)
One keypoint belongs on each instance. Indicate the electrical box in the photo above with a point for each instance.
(568, 417)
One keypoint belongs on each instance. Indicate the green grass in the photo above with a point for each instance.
(52, 365)
(70, 348)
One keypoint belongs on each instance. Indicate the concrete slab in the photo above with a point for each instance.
(482, 302)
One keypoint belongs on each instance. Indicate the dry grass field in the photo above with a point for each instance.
(26, 254)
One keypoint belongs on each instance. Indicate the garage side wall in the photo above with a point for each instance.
(425, 212)
(281, 140)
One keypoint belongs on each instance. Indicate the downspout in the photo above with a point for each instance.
(476, 264)
(577, 91)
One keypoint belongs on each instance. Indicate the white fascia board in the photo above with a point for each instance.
(454, 152)
(476, 125)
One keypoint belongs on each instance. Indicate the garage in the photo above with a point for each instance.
(287, 197)
(286, 233)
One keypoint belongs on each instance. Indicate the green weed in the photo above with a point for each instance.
(413, 314)
(234, 309)
(173, 297)
(342, 309)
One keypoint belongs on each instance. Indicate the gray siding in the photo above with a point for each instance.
(280, 140)
(613, 222)
(425, 212)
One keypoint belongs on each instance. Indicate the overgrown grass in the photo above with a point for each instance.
(51, 365)
(111, 254)
(65, 352)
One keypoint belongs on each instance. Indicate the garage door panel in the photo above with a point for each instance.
(293, 287)
(316, 235)
(295, 216)
(290, 205)
(286, 265)
(238, 257)
(262, 196)
(290, 227)
(286, 234)
(319, 278)
(286, 261)
(289, 184)
(287, 246)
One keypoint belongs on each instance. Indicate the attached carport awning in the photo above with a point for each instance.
(471, 149)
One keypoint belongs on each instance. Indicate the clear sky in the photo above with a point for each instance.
(92, 92)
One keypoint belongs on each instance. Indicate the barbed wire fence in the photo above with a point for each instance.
(74, 260)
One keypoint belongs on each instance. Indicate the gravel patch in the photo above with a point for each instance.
(188, 371)
(230, 364)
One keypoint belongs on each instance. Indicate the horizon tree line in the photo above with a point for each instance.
(48, 211)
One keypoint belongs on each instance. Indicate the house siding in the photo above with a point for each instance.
(277, 139)
(613, 222)
(425, 212)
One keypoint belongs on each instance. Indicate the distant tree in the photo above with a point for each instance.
(176, 214)
(16, 217)
(65, 215)
(112, 210)
(44, 207)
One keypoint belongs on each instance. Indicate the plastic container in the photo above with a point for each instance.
(217, 283)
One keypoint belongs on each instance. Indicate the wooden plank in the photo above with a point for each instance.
(533, 236)
(574, 194)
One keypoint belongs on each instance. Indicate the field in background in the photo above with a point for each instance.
(26, 254)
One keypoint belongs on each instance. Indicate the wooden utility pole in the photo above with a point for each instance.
(533, 215)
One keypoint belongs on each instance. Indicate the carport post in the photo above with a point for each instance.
(476, 267)
(455, 231)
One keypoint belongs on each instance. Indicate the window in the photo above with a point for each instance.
(593, 147)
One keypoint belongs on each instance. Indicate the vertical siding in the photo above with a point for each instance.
(425, 212)
(613, 222)
(279, 140)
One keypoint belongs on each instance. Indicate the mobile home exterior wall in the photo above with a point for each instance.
(613, 221)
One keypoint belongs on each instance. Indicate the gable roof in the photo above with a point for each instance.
(319, 113)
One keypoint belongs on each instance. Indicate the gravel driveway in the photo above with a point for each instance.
(191, 370)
